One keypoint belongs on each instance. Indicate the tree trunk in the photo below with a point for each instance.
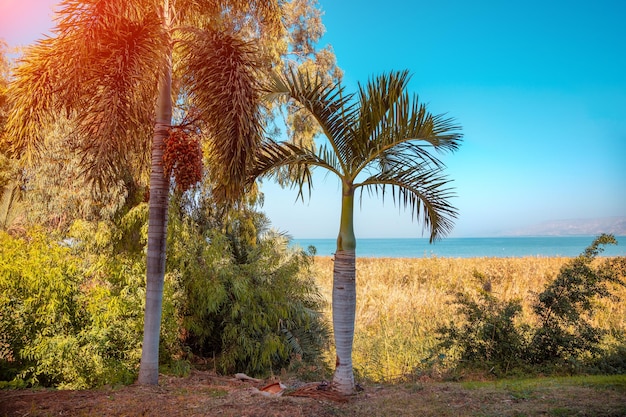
(344, 295)
(157, 236)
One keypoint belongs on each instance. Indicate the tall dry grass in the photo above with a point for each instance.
(400, 303)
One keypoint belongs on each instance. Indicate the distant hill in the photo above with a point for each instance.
(574, 227)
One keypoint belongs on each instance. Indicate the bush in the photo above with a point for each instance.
(39, 284)
(563, 335)
(489, 338)
(72, 311)
(565, 307)
(248, 299)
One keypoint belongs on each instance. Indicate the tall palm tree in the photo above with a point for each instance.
(379, 138)
(116, 68)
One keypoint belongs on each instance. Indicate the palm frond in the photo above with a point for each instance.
(387, 134)
(222, 77)
(31, 100)
(424, 191)
(380, 110)
(392, 122)
(100, 71)
(273, 155)
(326, 102)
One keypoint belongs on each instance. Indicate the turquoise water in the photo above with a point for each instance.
(467, 247)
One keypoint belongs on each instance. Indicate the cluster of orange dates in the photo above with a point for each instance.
(182, 158)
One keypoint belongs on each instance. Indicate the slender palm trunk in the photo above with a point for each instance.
(157, 236)
(344, 294)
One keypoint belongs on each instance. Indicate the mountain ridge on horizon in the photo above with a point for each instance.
(588, 227)
(571, 227)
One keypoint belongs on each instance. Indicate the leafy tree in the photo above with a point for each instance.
(377, 139)
(100, 68)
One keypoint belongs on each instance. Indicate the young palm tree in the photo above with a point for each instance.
(378, 139)
(114, 67)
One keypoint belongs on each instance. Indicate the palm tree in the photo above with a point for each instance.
(378, 139)
(116, 68)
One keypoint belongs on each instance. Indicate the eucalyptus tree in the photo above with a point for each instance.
(378, 139)
(116, 68)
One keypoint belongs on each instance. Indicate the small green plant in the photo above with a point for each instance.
(563, 335)
(489, 338)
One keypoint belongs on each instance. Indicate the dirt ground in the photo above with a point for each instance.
(206, 394)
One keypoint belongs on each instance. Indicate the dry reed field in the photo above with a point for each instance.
(400, 303)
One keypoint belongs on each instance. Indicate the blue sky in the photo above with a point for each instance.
(539, 88)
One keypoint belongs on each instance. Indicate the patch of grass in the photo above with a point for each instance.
(177, 367)
(217, 393)
(612, 382)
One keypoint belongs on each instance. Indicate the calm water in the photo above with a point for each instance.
(468, 247)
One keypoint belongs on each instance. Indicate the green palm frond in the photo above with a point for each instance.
(326, 102)
(273, 155)
(223, 85)
(422, 190)
(391, 119)
(380, 109)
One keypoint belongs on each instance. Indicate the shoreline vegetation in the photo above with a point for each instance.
(402, 301)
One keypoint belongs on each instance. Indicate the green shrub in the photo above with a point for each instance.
(248, 300)
(39, 284)
(488, 338)
(565, 307)
(71, 312)
(113, 294)
(563, 336)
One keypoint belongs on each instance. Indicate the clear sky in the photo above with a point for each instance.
(538, 86)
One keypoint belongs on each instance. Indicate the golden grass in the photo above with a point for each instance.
(400, 303)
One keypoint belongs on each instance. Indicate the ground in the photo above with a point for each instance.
(207, 394)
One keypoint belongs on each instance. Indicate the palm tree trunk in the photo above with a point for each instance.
(157, 236)
(344, 295)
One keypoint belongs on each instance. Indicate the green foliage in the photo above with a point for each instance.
(565, 307)
(490, 338)
(39, 281)
(248, 299)
(72, 310)
(56, 191)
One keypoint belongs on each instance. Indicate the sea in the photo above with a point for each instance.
(467, 247)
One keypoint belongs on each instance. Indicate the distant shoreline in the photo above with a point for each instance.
(383, 258)
(508, 247)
